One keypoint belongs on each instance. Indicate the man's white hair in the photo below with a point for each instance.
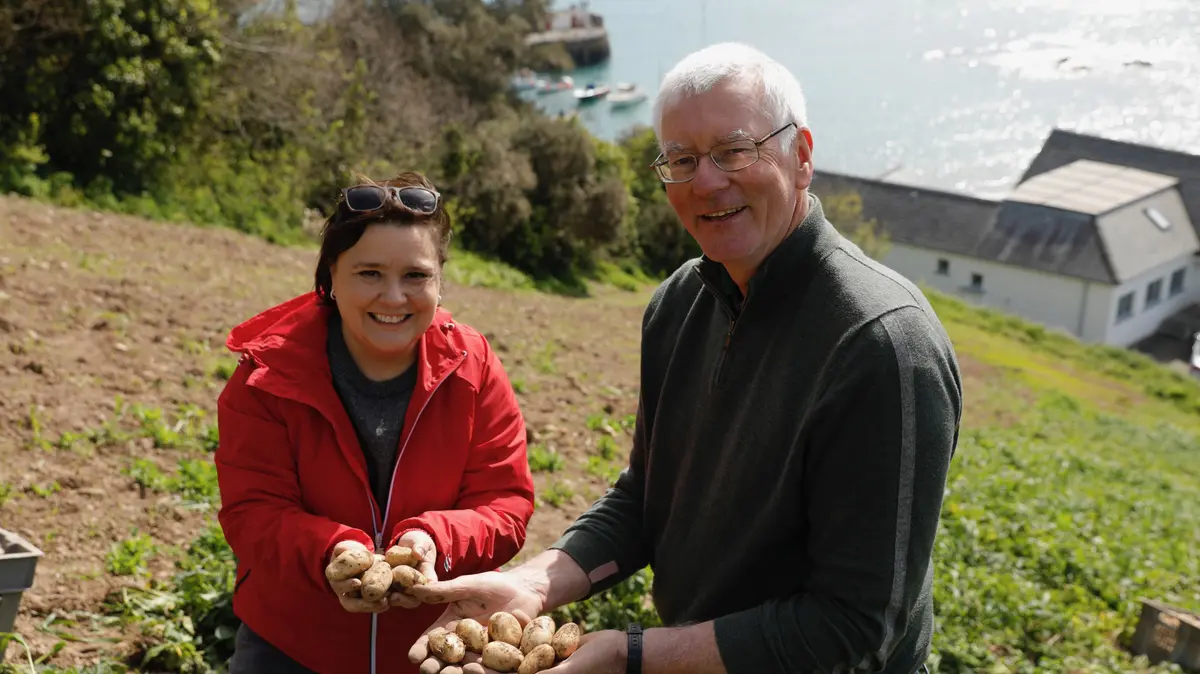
(701, 70)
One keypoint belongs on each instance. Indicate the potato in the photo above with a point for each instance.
(473, 668)
(538, 659)
(376, 581)
(406, 577)
(537, 632)
(398, 555)
(504, 627)
(437, 639)
(473, 634)
(431, 666)
(452, 669)
(448, 648)
(380, 558)
(502, 656)
(348, 564)
(566, 640)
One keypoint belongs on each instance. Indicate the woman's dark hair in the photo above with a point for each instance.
(344, 228)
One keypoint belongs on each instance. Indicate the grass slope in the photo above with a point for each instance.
(1075, 490)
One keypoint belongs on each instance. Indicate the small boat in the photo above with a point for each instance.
(524, 80)
(545, 86)
(626, 95)
(592, 93)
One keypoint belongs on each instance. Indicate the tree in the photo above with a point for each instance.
(108, 85)
(845, 211)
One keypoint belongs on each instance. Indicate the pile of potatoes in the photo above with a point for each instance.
(505, 647)
(379, 573)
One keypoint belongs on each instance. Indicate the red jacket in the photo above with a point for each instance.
(294, 482)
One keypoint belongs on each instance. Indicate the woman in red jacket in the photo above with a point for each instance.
(361, 415)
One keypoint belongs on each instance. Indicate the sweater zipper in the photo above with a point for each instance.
(718, 376)
(719, 371)
(392, 485)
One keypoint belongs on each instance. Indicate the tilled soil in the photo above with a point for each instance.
(100, 312)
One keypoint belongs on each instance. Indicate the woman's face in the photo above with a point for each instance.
(386, 287)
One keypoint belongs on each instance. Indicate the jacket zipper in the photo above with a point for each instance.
(392, 485)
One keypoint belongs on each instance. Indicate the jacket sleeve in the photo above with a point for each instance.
(488, 525)
(874, 477)
(262, 512)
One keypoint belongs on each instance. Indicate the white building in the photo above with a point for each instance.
(1103, 251)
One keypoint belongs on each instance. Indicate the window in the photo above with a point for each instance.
(977, 282)
(1157, 218)
(1177, 281)
(943, 267)
(1153, 293)
(1125, 307)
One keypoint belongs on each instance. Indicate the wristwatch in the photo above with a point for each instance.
(633, 660)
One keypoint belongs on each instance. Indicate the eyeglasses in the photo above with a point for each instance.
(367, 198)
(680, 167)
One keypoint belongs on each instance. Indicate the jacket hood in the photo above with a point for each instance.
(289, 340)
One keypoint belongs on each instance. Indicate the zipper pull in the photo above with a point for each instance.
(729, 335)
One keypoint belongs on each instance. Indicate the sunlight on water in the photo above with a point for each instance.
(930, 91)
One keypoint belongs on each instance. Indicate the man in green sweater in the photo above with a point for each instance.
(800, 405)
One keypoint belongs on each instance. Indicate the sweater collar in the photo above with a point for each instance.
(786, 270)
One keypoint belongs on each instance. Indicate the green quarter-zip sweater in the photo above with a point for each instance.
(789, 461)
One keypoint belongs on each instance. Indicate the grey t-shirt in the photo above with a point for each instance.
(375, 407)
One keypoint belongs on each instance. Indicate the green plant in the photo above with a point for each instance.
(615, 608)
(45, 491)
(129, 557)
(542, 460)
(557, 494)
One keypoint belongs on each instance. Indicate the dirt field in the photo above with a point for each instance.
(96, 308)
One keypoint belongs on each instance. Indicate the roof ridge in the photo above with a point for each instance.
(899, 186)
(1118, 141)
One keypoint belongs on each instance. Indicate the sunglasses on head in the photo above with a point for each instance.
(367, 198)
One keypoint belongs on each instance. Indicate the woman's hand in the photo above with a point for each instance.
(348, 591)
(421, 543)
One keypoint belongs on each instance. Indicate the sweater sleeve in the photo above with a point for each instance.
(262, 510)
(487, 526)
(874, 477)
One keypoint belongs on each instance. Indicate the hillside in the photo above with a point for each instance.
(1076, 489)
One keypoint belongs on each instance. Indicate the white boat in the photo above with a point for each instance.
(626, 95)
(591, 93)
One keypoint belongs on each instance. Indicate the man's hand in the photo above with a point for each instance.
(477, 596)
(422, 544)
(348, 591)
(603, 652)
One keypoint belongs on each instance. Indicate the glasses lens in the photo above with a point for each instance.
(364, 198)
(419, 199)
(735, 156)
(678, 168)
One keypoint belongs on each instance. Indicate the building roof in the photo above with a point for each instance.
(916, 216)
(1063, 147)
(1086, 186)
(1045, 239)
(1046, 226)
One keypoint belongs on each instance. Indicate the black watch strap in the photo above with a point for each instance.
(633, 661)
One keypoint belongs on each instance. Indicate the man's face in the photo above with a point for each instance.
(737, 217)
